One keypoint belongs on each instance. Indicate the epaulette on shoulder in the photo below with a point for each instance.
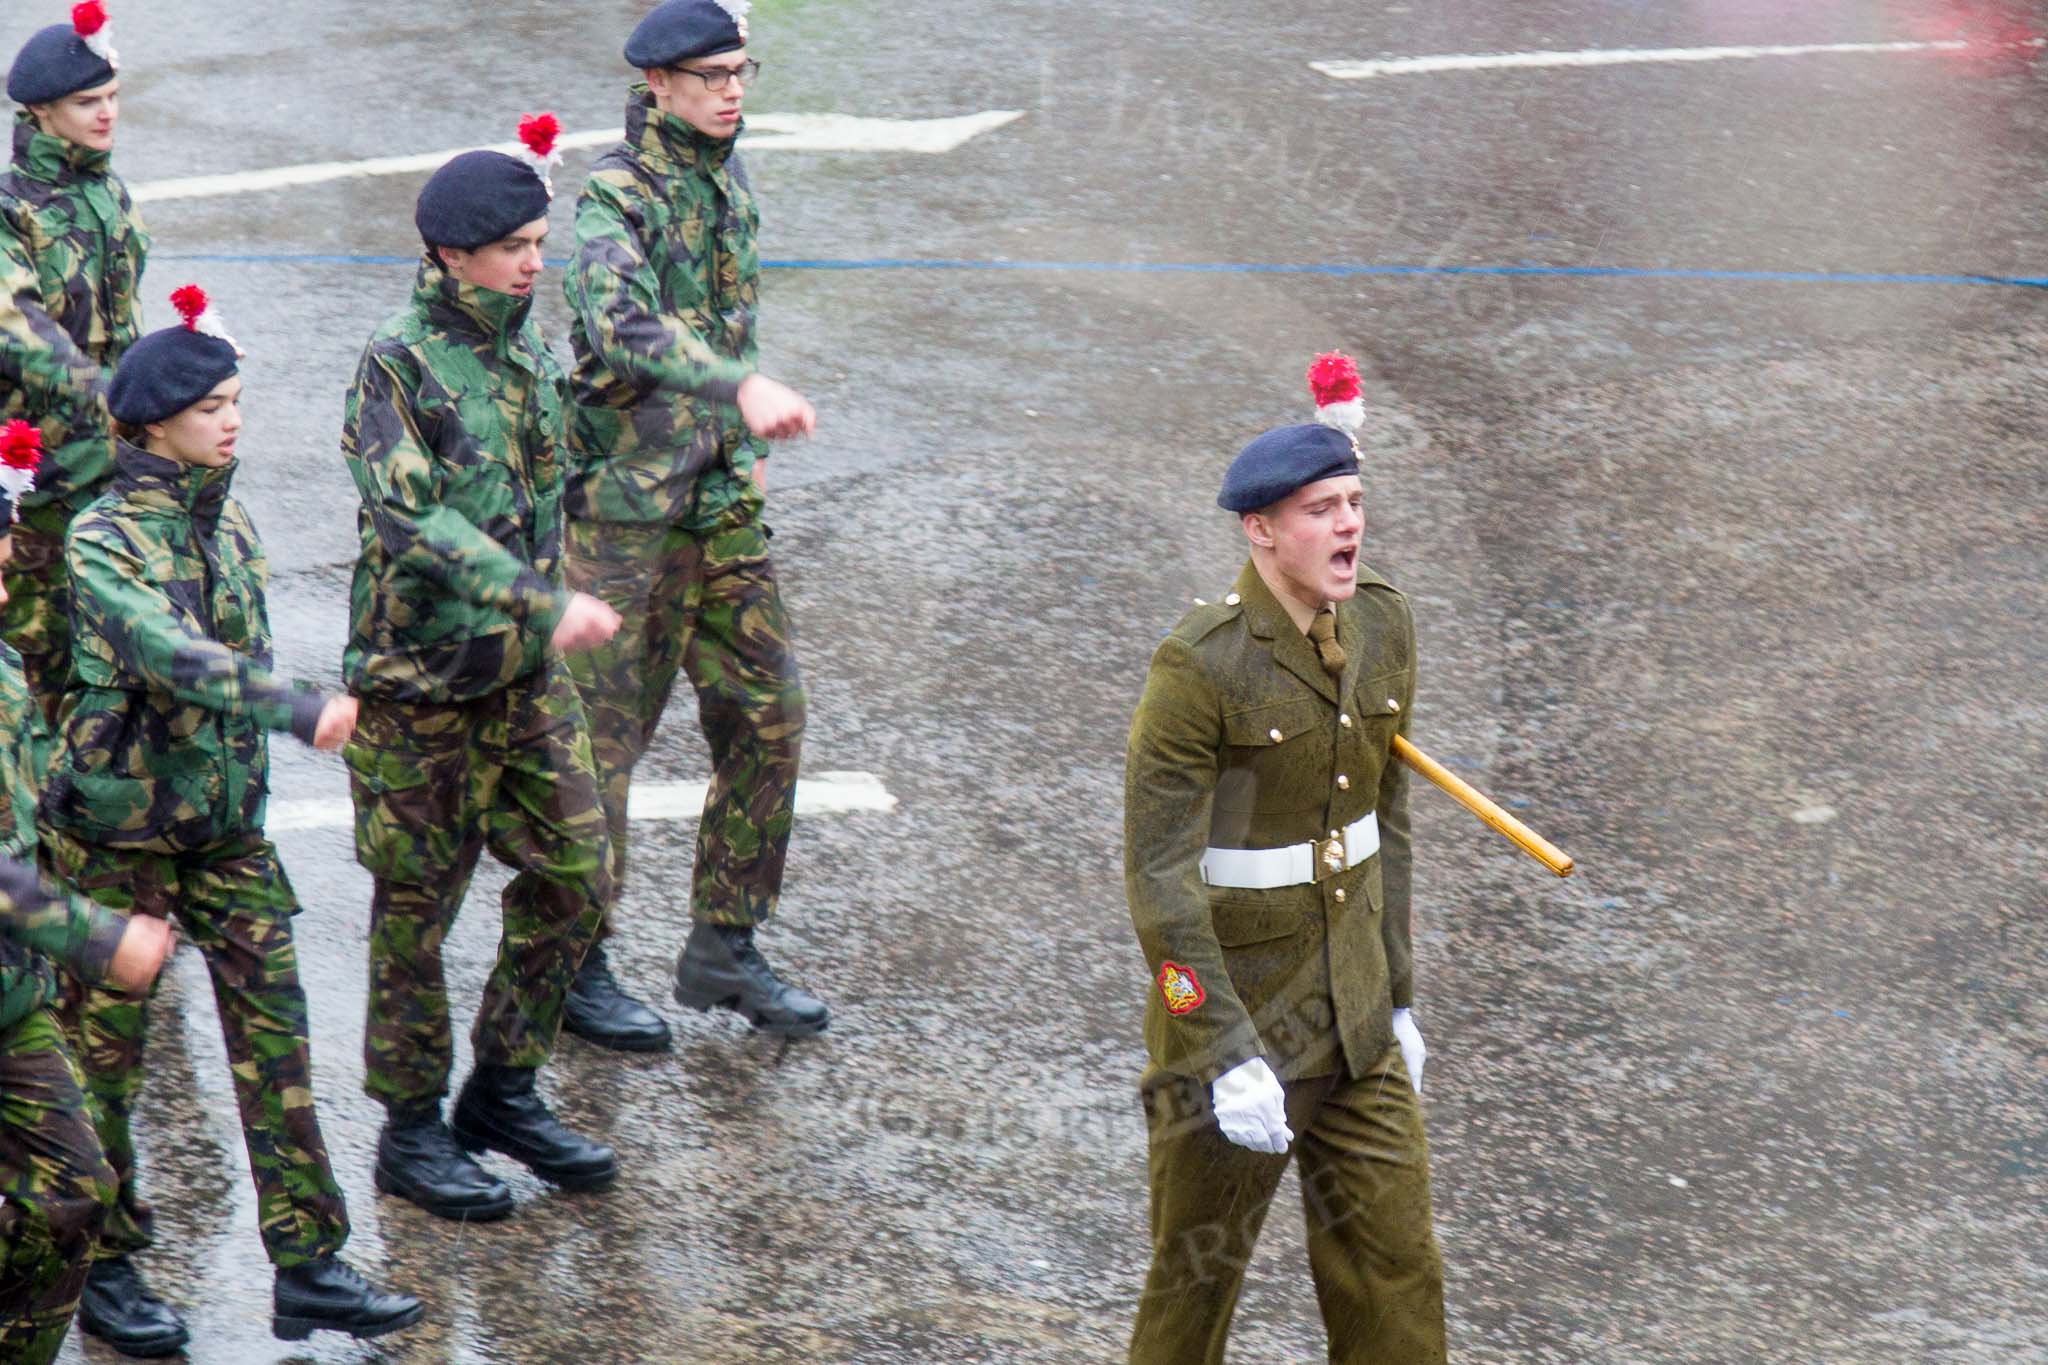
(402, 332)
(631, 177)
(1377, 599)
(1367, 579)
(617, 171)
(1204, 617)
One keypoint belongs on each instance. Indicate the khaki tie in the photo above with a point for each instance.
(1323, 630)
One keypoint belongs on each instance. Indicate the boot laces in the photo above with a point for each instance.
(747, 954)
(346, 1275)
(439, 1139)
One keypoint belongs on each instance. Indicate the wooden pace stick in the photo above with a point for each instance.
(1468, 796)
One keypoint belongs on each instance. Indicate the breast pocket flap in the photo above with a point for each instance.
(1264, 726)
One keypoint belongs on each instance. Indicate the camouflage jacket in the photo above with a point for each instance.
(39, 924)
(161, 743)
(25, 761)
(452, 432)
(35, 920)
(71, 258)
(662, 290)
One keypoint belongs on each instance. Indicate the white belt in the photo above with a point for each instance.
(1261, 869)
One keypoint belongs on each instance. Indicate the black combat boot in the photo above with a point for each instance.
(597, 1011)
(499, 1110)
(419, 1159)
(329, 1295)
(721, 966)
(117, 1307)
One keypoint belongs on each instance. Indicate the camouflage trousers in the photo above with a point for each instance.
(235, 904)
(55, 1189)
(434, 785)
(705, 603)
(36, 619)
(1365, 1193)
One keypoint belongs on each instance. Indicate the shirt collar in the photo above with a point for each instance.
(54, 159)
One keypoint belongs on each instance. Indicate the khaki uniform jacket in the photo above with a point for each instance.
(1243, 741)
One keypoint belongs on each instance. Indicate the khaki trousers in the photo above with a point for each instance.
(1365, 1192)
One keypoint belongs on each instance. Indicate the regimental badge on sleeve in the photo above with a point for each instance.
(1178, 986)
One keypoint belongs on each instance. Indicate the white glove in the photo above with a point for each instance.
(1251, 1108)
(1413, 1053)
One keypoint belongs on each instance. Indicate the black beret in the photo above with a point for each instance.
(167, 372)
(681, 29)
(1281, 460)
(479, 198)
(55, 63)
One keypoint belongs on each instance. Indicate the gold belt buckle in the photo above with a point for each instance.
(1331, 857)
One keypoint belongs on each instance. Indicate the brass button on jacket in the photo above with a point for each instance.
(1206, 768)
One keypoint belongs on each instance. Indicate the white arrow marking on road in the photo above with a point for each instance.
(765, 133)
(824, 794)
(1614, 56)
(845, 133)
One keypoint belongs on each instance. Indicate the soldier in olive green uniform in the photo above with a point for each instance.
(472, 734)
(1267, 867)
(155, 806)
(71, 257)
(55, 1184)
(668, 434)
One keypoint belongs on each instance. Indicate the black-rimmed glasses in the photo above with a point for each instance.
(716, 77)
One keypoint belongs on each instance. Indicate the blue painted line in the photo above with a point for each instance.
(1596, 272)
(283, 258)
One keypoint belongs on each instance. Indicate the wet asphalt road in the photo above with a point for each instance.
(1731, 586)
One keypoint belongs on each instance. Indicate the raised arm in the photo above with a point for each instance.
(67, 929)
(117, 607)
(612, 287)
(389, 458)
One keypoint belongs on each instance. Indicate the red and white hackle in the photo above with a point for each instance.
(21, 450)
(200, 315)
(1340, 401)
(89, 21)
(537, 136)
(737, 9)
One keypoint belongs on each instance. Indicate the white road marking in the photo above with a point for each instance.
(765, 133)
(1615, 56)
(829, 793)
(845, 133)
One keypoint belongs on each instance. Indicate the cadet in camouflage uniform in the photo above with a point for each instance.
(472, 735)
(155, 806)
(1266, 858)
(71, 258)
(55, 1184)
(667, 434)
